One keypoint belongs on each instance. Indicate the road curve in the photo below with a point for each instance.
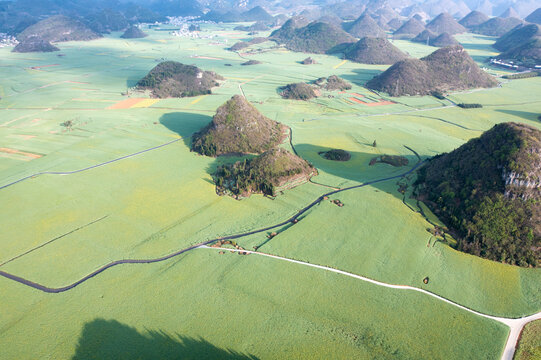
(176, 253)
(515, 325)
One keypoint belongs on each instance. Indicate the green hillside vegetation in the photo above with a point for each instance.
(139, 14)
(445, 23)
(244, 44)
(517, 37)
(308, 61)
(473, 19)
(273, 171)
(298, 91)
(257, 26)
(14, 23)
(316, 37)
(393, 160)
(529, 345)
(34, 44)
(238, 128)
(333, 83)
(425, 36)
(346, 10)
(443, 40)
(486, 193)
(133, 32)
(525, 54)
(523, 75)
(395, 24)
(534, 17)
(251, 62)
(226, 17)
(107, 20)
(257, 14)
(374, 51)
(496, 26)
(410, 28)
(287, 31)
(57, 29)
(336, 155)
(331, 19)
(446, 69)
(365, 26)
(173, 79)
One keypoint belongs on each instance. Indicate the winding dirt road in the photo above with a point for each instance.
(515, 325)
(292, 219)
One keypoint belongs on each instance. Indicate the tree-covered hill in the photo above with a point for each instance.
(446, 69)
(488, 193)
(173, 79)
(57, 29)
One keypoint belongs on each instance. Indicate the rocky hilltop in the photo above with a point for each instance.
(238, 128)
(34, 44)
(488, 193)
(273, 171)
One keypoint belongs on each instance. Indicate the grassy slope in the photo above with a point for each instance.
(162, 207)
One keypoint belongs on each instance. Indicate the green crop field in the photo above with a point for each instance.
(58, 228)
(529, 346)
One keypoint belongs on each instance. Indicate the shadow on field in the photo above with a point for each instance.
(482, 47)
(522, 114)
(360, 77)
(185, 124)
(480, 59)
(358, 168)
(109, 339)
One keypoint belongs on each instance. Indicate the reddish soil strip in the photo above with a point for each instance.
(25, 137)
(17, 152)
(357, 95)
(342, 92)
(357, 100)
(125, 104)
(43, 66)
(381, 103)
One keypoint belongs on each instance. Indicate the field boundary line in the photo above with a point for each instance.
(53, 240)
(89, 167)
